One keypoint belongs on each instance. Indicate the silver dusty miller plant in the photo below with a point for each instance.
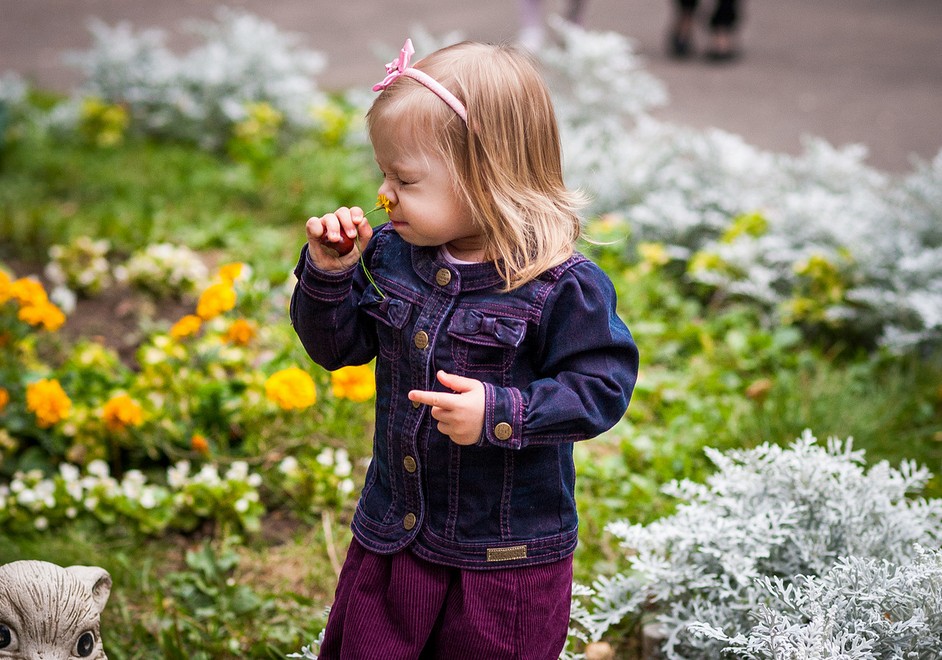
(197, 96)
(767, 516)
(862, 609)
(685, 188)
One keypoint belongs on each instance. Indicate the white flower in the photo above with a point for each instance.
(343, 468)
(208, 475)
(346, 486)
(27, 498)
(288, 465)
(133, 484)
(177, 474)
(98, 468)
(148, 499)
(41, 523)
(241, 505)
(238, 471)
(69, 472)
(326, 457)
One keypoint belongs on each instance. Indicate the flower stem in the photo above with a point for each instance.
(366, 270)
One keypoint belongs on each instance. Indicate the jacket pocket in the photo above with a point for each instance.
(484, 343)
(393, 315)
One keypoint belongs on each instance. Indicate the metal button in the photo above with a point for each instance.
(421, 339)
(503, 431)
(443, 277)
(409, 464)
(409, 521)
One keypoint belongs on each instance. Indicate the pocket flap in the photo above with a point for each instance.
(391, 311)
(476, 327)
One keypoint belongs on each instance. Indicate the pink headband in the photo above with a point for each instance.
(400, 67)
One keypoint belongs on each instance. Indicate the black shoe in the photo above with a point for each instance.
(722, 56)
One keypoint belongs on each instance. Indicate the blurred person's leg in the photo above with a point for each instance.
(723, 24)
(680, 40)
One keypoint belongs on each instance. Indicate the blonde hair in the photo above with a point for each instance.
(506, 162)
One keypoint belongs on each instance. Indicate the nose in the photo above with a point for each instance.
(389, 191)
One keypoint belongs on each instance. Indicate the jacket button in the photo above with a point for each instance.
(409, 521)
(503, 431)
(416, 404)
(421, 340)
(409, 464)
(443, 277)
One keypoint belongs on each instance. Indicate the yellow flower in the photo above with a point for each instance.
(354, 383)
(383, 202)
(241, 332)
(216, 299)
(4, 398)
(262, 122)
(747, 224)
(43, 313)
(121, 411)
(231, 272)
(188, 325)
(28, 291)
(102, 123)
(48, 401)
(291, 388)
(653, 253)
(5, 284)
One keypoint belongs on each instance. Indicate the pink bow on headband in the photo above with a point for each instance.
(397, 67)
(400, 67)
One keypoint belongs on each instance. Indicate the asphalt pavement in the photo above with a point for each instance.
(850, 71)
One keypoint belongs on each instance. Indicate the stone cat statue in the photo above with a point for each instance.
(51, 613)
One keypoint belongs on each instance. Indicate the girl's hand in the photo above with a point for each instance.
(460, 415)
(344, 221)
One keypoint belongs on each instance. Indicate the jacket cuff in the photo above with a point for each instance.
(321, 285)
(503, 417)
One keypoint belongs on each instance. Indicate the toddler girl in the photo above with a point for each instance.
(496, 346)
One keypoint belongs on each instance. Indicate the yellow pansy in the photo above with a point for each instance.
(42, 313)
(291, 388)
(5, 284)
(28, 291)
(231, 272)
(48, 401)
(121, 411)
(186, 326)
(216, 299)
(355, 383)
(240, 332)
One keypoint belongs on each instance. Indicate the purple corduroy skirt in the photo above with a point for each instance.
(400, 607)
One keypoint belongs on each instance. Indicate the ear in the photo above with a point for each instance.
(98, 581)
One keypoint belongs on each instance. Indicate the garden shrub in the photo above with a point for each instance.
(862, 609)
(820, 240)
(767, 516)
(199, 96)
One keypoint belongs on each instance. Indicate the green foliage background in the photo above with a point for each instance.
(712, 374)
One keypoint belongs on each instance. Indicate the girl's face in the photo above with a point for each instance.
(426, 208)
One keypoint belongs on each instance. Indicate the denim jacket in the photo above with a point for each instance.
(558, 366)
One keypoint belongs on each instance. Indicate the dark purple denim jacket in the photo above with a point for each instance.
(558, 366)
